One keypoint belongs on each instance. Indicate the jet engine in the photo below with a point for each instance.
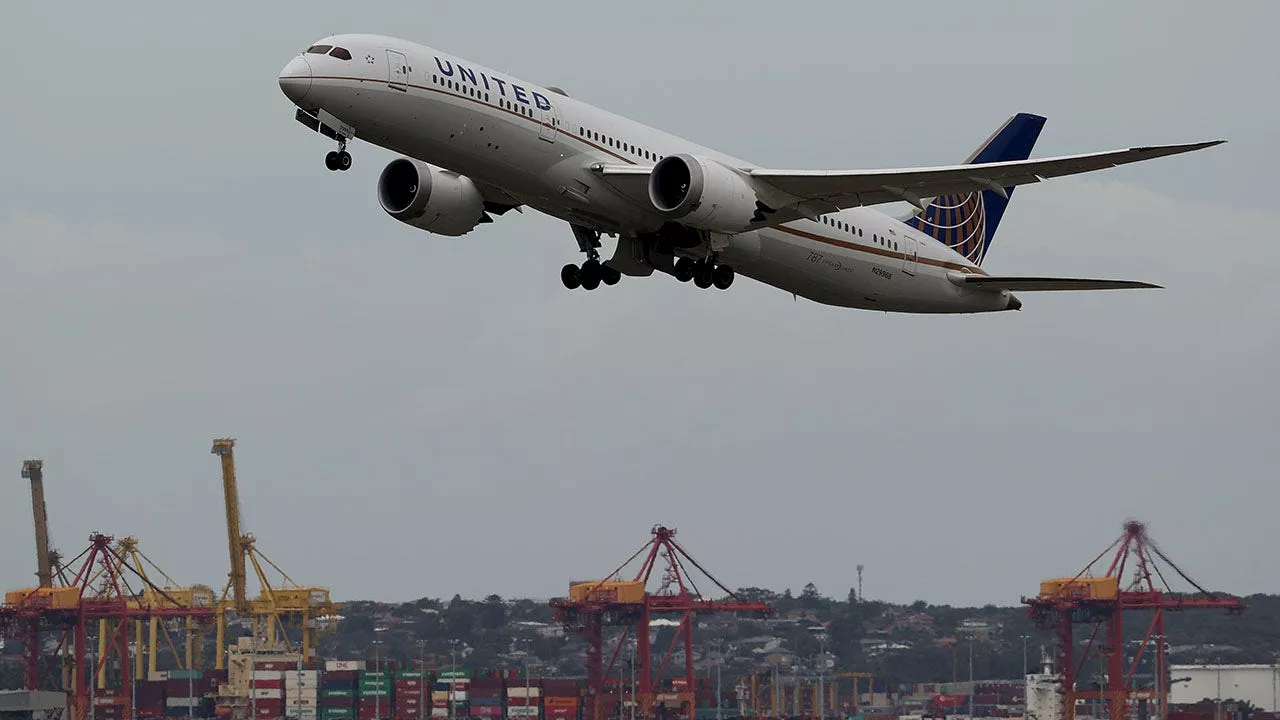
(430, 198)
(703, 194)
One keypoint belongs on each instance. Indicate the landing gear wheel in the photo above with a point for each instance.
(590, 275)
(344, 160)
(722, 276)
(702, 273)
(331, 160)
(683, 270)
(609, 276)
(571, 276)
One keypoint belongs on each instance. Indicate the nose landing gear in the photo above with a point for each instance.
(339, 159)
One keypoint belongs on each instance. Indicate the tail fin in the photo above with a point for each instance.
(967, 222)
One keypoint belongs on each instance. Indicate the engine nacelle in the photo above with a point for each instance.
(702, 193)
(430, 198)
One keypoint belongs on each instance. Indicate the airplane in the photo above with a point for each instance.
(477, 143)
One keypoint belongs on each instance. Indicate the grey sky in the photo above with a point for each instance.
(422, 416)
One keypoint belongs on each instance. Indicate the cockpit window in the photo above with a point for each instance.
(319, 49)
(340, 53)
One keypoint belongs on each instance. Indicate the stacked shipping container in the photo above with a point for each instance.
(338, 689)
(485, 696)
(266, 693)
(301, 694)
(184, 691)
(411, 695)
(561, 699)
(524, 700)
(375, 695)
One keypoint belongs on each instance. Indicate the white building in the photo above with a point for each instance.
(1258, 684)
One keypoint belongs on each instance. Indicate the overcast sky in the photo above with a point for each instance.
(423, 416)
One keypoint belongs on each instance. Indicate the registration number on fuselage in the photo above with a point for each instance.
(818, 258)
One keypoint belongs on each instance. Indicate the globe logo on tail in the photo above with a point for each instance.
(958, 221)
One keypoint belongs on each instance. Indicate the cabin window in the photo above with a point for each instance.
(340, 53)
(319, 49)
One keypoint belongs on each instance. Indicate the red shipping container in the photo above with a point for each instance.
(486, 711)
(262, 684)
(560, 702)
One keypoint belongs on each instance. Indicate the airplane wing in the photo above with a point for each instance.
(1035, 284)
(872, 187)
(809, 193)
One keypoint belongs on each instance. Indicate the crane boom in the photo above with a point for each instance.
(34, 470)
(224, 448)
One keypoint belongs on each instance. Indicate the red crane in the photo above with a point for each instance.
(100, 589)
(1102, 601)
(613, 601)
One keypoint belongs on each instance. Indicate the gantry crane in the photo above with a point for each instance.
(105, 592)
(276, 604)
(1103, 602)
(170, 596)
(614, 601)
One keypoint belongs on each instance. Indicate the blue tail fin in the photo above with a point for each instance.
(967, 222)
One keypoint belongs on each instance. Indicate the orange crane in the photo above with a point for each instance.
(276, 605)
(1104, 601)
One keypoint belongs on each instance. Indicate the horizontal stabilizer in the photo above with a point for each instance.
(1035, 284)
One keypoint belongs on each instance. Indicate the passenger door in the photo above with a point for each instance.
(397, 70)
(910, 254)
(548, 121)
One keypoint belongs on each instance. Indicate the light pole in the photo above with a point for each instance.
(822, 675)
(377, 672)
(1024, 656)
(453, 669)
(718, 696)
(970, 677)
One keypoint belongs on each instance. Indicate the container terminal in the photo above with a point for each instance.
(108, 635)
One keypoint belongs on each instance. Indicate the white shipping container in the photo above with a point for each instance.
(344, 665)
(300, 702)
(300, 713)
(266, 693)
(459, 695)
(523, 711)
(304, 693)
(268, 674)
(158, 675)
(439, 712)
(306, 678)
(523, 692)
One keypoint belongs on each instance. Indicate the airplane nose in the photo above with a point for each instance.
(295, 79)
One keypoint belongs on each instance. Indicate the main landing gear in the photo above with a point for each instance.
(339, 159)
(589, 276)
(592, 272)
(704, 273)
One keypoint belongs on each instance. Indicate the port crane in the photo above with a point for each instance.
(615, 601)
(278, 603)
(1103, 601)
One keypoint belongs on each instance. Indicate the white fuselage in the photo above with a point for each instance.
(538, 145)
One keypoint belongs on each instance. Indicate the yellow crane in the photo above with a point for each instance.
(169, 596)
(34, 471)
(276, 604)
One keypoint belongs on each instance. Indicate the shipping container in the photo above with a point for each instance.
(523, 711)
(486, 711)
(267, 684)
(332, 692)
(267, 693)
(520, 691)
(344, 665)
